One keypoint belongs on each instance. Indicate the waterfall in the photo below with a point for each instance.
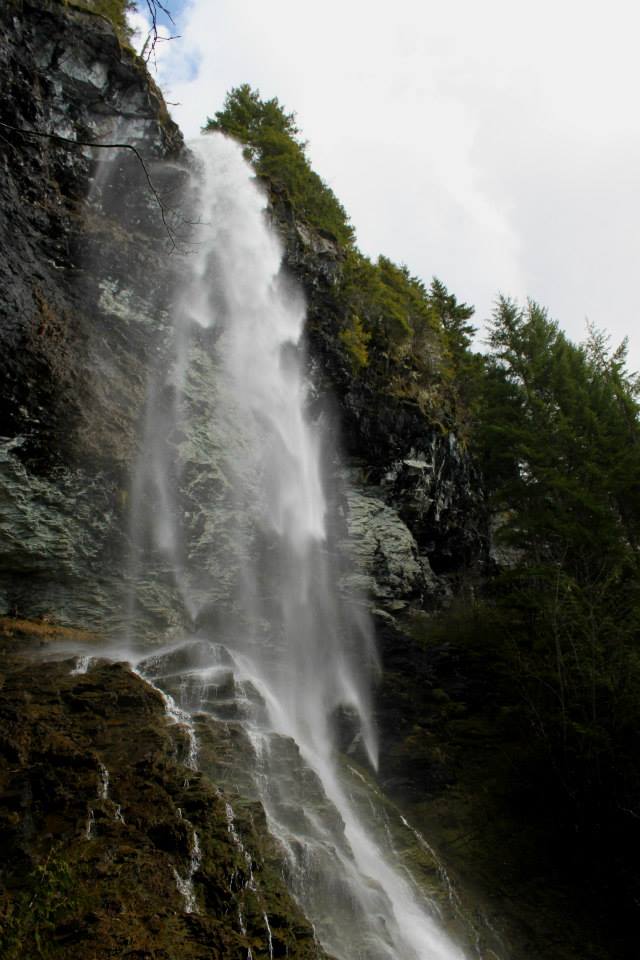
(291, 657)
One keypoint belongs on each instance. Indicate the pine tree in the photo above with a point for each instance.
(560, 441)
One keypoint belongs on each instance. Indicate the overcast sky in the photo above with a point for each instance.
(491, 143)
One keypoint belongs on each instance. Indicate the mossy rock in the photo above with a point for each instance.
(97, 820)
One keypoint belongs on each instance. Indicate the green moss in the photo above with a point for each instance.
(355, 339)
(71, 892)
(48, 898)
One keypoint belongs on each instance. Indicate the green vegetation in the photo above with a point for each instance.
(410, 341)
(549, 650)
(559, 438)
(398, 329)
(48, 898)
(274, 147)
(355, 339)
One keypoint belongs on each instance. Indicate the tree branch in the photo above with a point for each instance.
(104, 146)
(149, 49)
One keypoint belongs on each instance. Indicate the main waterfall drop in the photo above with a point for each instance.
(286, 653)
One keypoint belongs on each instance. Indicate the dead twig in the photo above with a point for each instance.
(153, 37)
(105, 146)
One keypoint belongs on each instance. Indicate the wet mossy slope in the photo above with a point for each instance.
(98, 814)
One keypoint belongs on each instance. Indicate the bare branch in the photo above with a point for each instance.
(153, 37)
(104, 146)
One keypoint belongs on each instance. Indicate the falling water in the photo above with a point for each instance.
(294, 655)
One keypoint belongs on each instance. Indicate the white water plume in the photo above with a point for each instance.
(296, 655)
(306, 663)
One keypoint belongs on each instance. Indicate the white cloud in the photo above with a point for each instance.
(142, 39)
(140, 25)
(493, 144)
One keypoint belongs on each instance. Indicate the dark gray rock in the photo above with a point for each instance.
(65, 73)
(415, 466)
(76, 343)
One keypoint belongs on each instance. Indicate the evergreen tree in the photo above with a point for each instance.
(273, 144)
(560, 441)
(454, 318)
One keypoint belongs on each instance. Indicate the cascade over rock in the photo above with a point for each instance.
(414, 466)
(127, 640)
(98, 813)
(88, 338)
(79, 342)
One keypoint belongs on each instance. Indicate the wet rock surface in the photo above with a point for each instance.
(87, 270)
(388, 567)
(65, 75)
(98, 820)
(411, 461)
(76, 341)
(84, 330)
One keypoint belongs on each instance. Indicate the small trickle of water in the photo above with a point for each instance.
(184, 720)
(185, 889)
(249, 883)
(243, 931)
(185, 884)
(103, 784)
(82, 665)
(454, 899)
(269, 937)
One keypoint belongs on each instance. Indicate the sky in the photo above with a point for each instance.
(493, 144)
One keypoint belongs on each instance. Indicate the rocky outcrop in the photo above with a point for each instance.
(415, 488)
(112, 844)
(387, 564)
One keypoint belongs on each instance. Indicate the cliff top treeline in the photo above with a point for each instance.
(391, 328)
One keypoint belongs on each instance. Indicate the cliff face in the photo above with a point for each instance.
(89, 275)
(417, 521)
(67, 76)
(76, 349)
(80, 345)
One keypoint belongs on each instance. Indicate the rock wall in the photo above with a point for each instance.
(85, 323)
(65, 75)
(417, 519)
(75, 344)
(89, 274)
